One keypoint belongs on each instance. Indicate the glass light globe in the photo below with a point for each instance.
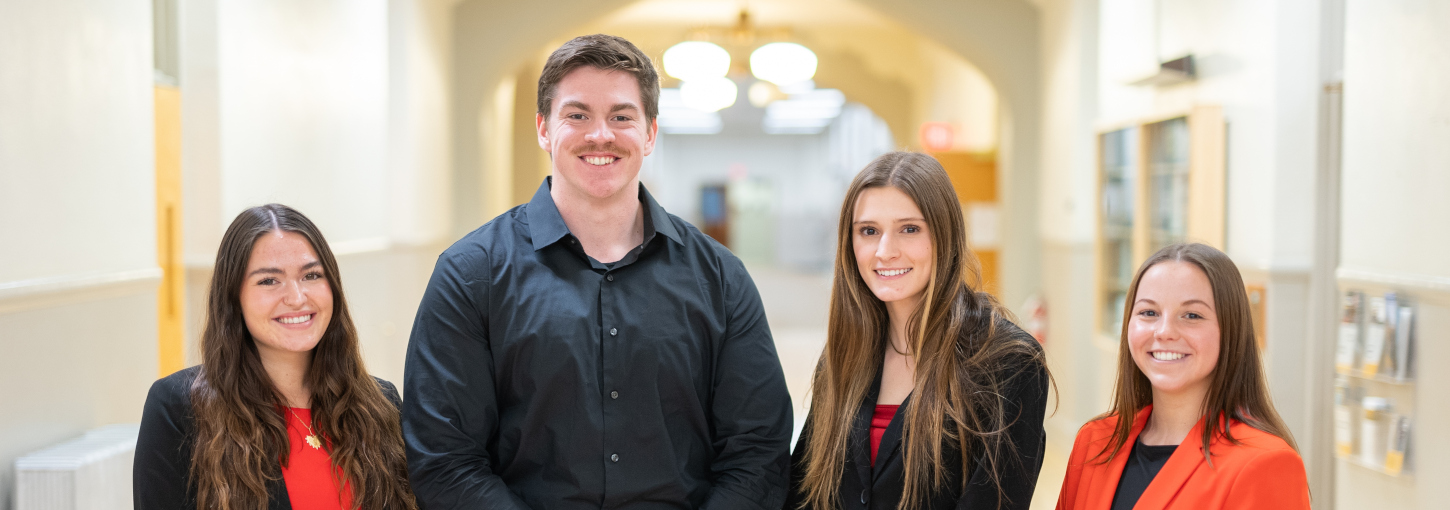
(762, 93)
(696, 60)
(708, 95)
(783, 63)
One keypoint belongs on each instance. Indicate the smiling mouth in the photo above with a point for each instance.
(1167, 356)
(892, 272)
(599, 160)
(296, 320)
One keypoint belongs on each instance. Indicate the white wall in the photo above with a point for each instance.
(76, 176)
(1396, 161)
(420, 70)
(304, 111)
(1069, 144)
(340, 110)
(77, 198)
(1396, 171)
(1083, 368)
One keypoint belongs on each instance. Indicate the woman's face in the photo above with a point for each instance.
(892, 245)
(1173, 334)
(286, 300)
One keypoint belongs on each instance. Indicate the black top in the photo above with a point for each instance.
(1144, 461)
(538, 377)
(880, 486)
(160, 475)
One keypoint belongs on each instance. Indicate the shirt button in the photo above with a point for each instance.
(614, 394)
(615, 458)
(609, 277)
(613, 332)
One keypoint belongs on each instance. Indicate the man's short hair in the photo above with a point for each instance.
(607, 52)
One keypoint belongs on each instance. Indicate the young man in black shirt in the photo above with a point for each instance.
(588, 349)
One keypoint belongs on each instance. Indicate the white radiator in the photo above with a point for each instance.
(90, 473)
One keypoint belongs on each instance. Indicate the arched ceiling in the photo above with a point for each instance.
(997, 36)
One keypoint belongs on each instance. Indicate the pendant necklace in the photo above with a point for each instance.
(311, 438)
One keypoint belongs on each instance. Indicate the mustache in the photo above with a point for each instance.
(609, 148)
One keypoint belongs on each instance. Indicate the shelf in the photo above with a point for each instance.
(1380, 378)
(1355, 460)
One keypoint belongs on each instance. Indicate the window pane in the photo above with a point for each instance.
(1168, 182)
(1119, 152)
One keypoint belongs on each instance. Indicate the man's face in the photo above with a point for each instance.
(596, 133)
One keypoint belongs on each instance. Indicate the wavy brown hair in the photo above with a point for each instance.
(1237, 389)
(964, 361)
(241, 431)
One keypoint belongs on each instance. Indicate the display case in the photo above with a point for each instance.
(1374, 388)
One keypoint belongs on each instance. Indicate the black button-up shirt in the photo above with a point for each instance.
(538, 377)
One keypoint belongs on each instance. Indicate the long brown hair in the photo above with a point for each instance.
(1237, 388)
(240, 429)
(963, 359)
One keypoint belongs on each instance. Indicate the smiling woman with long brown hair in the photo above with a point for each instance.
(281, 413)
(926, 396)
(1192, 425)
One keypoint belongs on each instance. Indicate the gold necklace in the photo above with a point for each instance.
(311, 438)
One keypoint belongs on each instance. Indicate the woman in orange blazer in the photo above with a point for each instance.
(1192, 424)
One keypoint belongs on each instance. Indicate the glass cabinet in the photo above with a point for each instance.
(1160, 182)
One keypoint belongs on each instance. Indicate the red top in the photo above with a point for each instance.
(308, 473)
(879, 421)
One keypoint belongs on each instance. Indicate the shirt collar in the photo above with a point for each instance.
(546, 225)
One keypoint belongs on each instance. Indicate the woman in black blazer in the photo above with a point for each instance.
(281, 413)
(926, 395)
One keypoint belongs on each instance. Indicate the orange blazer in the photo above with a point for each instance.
(1261, 473)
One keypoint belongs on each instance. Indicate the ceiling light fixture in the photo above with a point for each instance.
(696, 60)
(783, 63)
(710, 94)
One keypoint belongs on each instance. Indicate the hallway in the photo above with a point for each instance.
(1300, 137)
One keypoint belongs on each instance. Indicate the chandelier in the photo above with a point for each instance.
(702, 66)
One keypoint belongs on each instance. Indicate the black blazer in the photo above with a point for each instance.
(879, 487)
(160, 477)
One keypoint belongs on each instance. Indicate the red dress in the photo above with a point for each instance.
(879, 421)
(309, 471)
